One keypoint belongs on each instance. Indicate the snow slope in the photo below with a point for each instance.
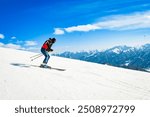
(21, 79)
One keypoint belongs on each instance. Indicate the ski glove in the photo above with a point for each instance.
(50, 50)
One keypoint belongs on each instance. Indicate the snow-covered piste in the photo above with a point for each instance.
(21, 78)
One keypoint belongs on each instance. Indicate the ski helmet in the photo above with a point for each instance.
(53, 40)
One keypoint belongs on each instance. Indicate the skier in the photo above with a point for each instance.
(46, 47)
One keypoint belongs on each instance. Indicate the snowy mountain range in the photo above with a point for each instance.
(137, 58)
(21, 78)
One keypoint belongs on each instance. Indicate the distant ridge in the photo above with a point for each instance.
(137, 58)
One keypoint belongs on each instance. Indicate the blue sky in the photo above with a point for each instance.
(77, 24)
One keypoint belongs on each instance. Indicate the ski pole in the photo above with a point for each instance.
(36, 57)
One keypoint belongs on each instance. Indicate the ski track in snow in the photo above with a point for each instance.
(22, 79)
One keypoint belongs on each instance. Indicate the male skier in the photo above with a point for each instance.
(46, 47)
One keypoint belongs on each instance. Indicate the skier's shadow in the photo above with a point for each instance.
(20, 65)
(27, 66)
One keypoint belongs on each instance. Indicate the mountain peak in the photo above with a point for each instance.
(118, 49)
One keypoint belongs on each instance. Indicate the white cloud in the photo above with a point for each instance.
(126, 22)
(132, 21)
(148, 16)
(58, 31)
(84, 28)
(10, 45)
(19, 42)
(1, 44)
(19, 47)
(33, 49)
(30, 43)
(14, 46)
(13, 37)
(2, 36)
